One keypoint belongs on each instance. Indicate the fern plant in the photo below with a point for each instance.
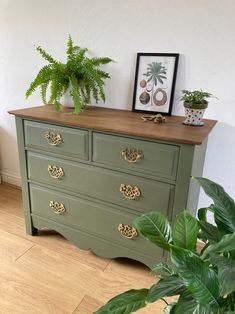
(80, 74)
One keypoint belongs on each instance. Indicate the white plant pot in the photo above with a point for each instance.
(194, 116)
(66, 100)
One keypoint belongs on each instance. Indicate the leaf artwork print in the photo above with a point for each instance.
(155, 75)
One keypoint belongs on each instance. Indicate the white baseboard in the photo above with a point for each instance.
(10, 178)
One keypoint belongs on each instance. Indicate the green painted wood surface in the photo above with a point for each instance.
(94, 170)
(98, 245)
(74, 142)
(159, 160)
(88, 216)
(30, 229)
(102, 183)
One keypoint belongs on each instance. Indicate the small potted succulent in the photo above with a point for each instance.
(80, 77)
(195, 104)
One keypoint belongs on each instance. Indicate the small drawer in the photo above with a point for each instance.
(56, 139)
(139, 156)
(125, 190)
(104, 221)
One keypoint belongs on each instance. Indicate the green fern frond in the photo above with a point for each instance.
(56, 91)
(76, 95)
(80, 55)
(45, 55)
(102, 94)
(42, 77)
(44, 92)
(69, 46)
(99, 61)
(57, 106)
(87, 94)
(103, 74)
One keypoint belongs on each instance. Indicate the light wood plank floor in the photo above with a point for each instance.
(48, 275)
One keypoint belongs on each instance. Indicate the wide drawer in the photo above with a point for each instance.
(137, 193)
(140, 156)
(57, 139)
(90, 217)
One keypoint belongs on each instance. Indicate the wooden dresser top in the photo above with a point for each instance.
(121, 122)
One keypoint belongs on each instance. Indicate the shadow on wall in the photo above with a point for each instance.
(220, 160)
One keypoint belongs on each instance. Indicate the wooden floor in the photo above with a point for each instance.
(46, 274)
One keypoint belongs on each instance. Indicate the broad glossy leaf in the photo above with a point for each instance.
(185, 231)
(168, 286)
(210, 232)
(156, 228)
(188, 305)
(125, 303)
(201, 213)
(201, 280)
(226, 274)
(163, 269)
(224, 209)
(226, 244)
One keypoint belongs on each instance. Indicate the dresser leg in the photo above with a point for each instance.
(31, 230)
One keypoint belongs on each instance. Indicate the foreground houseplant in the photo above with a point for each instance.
(195, 104)
(204, 282)
(81, 76)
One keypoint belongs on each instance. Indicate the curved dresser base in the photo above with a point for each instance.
(97, 245)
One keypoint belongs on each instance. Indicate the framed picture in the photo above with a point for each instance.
(155, 82)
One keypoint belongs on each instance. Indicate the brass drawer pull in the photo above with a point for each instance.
(132, 154)
(52, 138)
(55, 171)
(127, 231)
(58, 208)
(129, 191)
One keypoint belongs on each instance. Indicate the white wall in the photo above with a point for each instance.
(201, 31)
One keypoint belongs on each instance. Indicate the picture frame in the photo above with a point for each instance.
(154, 85)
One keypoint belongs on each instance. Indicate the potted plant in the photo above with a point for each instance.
(80, 76)
(203, 282)
(195, 103)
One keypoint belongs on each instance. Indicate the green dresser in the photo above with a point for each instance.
(89, 176)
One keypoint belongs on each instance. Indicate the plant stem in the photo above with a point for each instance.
(164, 301)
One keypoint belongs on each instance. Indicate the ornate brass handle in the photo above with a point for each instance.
(52, 138)
(127, 231)
(132, 154)
(129, 191)
(55, 171)
(58, 208)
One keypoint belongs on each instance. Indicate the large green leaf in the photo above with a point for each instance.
(226, 244)
(185, 231)
(168, 286)
(202, 212)
(125, 303)
(188, 305)
(224, 209)
(210, 232)
(156, 228)
(226, 274)
(201, 280)
(163, 269)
